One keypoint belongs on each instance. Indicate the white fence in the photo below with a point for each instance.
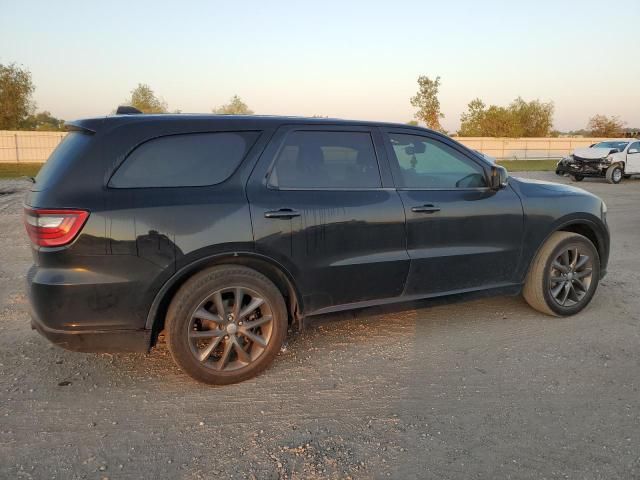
(28, 147)
(35, 147)
(527, 148)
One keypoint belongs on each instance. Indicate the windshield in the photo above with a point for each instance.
(619, 145)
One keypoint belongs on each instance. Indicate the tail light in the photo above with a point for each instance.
(53, 228)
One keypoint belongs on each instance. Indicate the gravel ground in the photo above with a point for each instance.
(486, 389)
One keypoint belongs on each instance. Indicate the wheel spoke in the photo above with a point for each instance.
(582, 262)
(228, 346)
(560, 267)
(557, 279)
(565, 295)
(237, 302)
(254, 337)
(243, 356)
(565, 258)
(575, 255)
(578, 282)
(583, 273)
(255, 303)
(204, 314)
(258, 322)
(217, 301)
(557, 289)
(573, 293)
(206, 352)
(206, 333)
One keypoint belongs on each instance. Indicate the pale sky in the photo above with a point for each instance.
(348, 59)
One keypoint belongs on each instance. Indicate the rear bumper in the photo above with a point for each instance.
(96, 341)
(78, 310)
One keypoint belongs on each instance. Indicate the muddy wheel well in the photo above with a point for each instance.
(268, 269)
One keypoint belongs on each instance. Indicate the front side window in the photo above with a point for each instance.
(426, 163)
(326, 159)
(191, 160)
(634, 146)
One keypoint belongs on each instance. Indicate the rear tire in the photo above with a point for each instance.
(563, 276)
(226, 324)
(614, 174)
(576, 178)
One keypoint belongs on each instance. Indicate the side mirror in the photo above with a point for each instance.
(634, 150)
(499, 177)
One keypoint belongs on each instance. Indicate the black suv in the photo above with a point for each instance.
(221, 232)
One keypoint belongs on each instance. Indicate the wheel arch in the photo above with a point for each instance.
(582, 226)
(271, 269)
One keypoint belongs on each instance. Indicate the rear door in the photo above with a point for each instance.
(461, 235)
(323, 205)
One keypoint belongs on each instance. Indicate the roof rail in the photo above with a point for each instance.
(127, 110)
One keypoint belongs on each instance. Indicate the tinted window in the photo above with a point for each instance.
(184, 160)
(313, 159)
(635, 146)
(426, 163)
(66, 155)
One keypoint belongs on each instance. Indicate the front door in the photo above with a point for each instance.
(461, 235)
(633, 158)
(323, 205)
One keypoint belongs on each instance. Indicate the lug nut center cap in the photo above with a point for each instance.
(232, 328)
(570, 276)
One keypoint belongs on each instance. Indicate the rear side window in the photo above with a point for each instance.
(191, 160)
(63, 158)
(318, 159)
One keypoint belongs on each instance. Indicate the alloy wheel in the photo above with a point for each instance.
(617, 175)
(230, 328)
(570, 276)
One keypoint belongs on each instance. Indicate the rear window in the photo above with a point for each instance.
(191, 160)
(331, 159)
(72, 146)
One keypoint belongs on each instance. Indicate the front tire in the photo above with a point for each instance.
(226, 324)
(614, 174)
(576, 178)
(563, 276)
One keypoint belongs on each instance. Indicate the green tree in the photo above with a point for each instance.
(43, 121)
(144, 99)
(235, 107)
(427, 103)
(534, 118)
(471, 121)
(603, 126)
(413, 123)
(519, 119)
(16, 89)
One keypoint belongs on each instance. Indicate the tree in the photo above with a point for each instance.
(471, 121)
(427, 103)
(519, 119)
(235, 107)
(413, 123)
(603, 126)
(43, 121)
(534, 118)
(144, 99)
(16, 89)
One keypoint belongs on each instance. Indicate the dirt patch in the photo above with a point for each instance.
(487, 389)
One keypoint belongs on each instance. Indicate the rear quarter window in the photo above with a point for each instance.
(189, 160)
(63, 158)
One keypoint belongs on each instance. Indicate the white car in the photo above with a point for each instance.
(611, 159)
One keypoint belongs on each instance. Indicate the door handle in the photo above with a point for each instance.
(425, 209)
(282, 213)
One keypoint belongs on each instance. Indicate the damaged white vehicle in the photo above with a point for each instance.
(611, 159)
